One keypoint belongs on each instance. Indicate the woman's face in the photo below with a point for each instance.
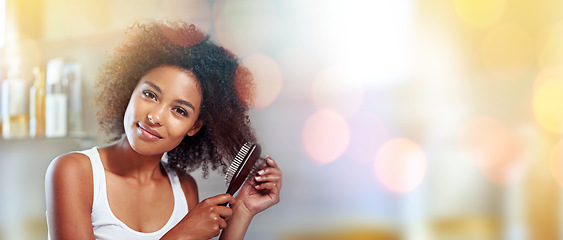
(163, 109)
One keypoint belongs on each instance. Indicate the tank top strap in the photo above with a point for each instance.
(180, 201)
(98, 173)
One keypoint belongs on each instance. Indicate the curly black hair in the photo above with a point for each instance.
(227, 90)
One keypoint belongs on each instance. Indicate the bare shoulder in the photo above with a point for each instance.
(70, 173)
(187, 181)
(70, 165)
(189, 186)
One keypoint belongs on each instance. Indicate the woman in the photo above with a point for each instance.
(170, 93)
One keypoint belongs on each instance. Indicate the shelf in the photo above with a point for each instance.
(45, 144)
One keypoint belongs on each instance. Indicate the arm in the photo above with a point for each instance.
(238, 223)
(256, 195)
(69, 196)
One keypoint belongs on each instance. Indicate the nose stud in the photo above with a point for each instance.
(150, 118)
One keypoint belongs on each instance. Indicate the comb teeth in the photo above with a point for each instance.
(239, 158)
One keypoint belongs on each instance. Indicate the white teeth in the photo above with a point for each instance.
(239, 158)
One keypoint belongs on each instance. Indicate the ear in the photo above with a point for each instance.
(195, 128)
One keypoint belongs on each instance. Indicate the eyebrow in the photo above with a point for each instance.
(154, 86)
(188, 104)
(180, 101)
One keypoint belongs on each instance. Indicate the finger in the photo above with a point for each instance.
(271, 162)
(269, 170)
(221, 199)
(222, 223)
(274, 187)
(223, 212)
(267, 178)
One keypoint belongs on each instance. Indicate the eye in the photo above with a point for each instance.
(181, 111)
(149, 94)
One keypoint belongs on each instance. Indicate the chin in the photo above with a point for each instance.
(149, 148)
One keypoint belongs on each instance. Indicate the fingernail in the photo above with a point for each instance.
(261, 172)
(258, 178)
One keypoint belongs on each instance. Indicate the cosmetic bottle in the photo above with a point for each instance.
(56, 100)
(72, 77)
(37, 104)
(15, 117)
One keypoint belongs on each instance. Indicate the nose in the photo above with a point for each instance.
(156, 115)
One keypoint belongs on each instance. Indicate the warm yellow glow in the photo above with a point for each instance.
(479, 13)
(508, 52)
(556, 163)
(548, 74)
(326, 136)
(400, 165)
(493, 148)
(333, 89)
(267, 77)
(548, 105)
(243, 26)
(551, 53)
(64, 19)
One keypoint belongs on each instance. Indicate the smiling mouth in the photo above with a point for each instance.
(149, 133)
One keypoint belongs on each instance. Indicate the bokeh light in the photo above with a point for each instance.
(493, 148)
(508, 52)
(400, 165)
(548, 105)
(479, 13)
(333, 89)
(243, 26)
(551, 52)
(326, 136)
(556, 163)
(197, 12)
(267, 76)
(548, 74)
(369, 132)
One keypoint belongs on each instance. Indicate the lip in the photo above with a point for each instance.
(149, 132)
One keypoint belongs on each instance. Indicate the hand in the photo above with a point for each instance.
(262, 191)
(205, 220)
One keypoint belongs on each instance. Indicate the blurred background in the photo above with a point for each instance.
(408, 119)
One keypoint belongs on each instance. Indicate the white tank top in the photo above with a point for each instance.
(107, 226)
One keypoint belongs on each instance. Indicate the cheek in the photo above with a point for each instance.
(133, 109)
(179, 129)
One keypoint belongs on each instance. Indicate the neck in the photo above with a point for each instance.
(123, 160)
